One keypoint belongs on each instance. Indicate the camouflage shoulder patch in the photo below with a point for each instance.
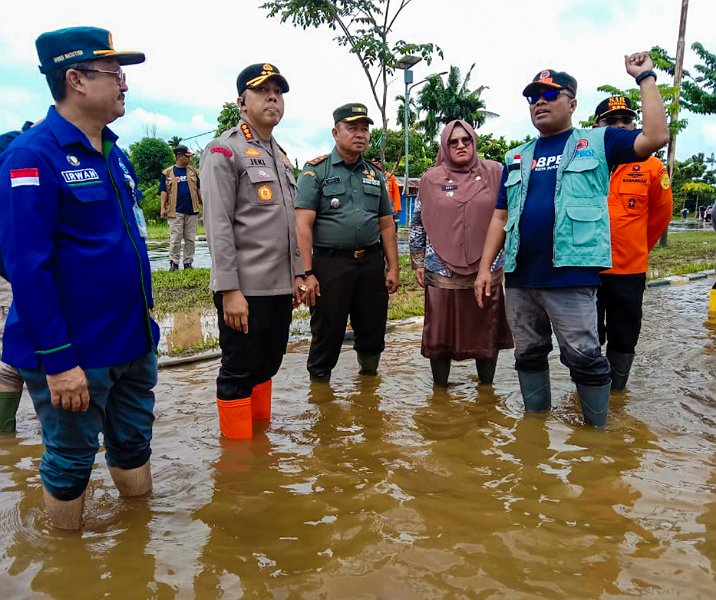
(317, 161)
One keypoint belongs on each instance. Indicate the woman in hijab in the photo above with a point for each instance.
(455, 203)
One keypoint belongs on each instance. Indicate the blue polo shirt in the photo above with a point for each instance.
(78, 264)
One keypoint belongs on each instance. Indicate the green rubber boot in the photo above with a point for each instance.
(368, 363)
(595, 403)
(9, 401)
(536, 391)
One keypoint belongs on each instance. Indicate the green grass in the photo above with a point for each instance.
(686, 252)
(176, 291)
(159, 230)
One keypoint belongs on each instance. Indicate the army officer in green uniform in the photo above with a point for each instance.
(344, 224)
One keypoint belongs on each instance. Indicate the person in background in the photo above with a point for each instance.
(640, 205)
(455, 203)
(180, 192)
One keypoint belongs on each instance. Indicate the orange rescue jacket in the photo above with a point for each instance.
(640, 205)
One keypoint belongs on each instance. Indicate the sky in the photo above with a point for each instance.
(195, 51)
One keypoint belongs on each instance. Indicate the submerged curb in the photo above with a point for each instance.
(213, 354)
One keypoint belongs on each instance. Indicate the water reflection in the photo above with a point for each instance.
(384, 487)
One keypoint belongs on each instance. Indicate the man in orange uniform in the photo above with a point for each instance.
(640, 205)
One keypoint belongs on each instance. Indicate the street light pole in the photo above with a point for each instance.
(408, 78)
(406, 63)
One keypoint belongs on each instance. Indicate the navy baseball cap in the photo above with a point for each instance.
(65, 47)
(549, 78)
(254, 75)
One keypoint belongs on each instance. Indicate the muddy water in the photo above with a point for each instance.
(383, 488)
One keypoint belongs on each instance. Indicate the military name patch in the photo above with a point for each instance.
(80, 176)
(221, 150)
(449, 188)
(373, 182)
(254, 162)
(330, 180)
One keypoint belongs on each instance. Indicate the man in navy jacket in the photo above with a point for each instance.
(72, 239)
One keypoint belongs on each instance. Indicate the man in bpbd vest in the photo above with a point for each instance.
(553, 221)
(181, 196)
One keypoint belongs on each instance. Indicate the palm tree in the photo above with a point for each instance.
(444, 103)
(412, 115)
(174, 141)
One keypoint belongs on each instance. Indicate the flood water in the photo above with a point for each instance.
(384, 488)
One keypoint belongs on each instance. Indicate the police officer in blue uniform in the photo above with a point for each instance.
(73, 239)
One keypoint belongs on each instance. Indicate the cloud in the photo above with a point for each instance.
(180, 89)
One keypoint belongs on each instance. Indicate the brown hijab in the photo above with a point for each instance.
(457, 204)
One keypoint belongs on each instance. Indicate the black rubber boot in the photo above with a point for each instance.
(621, 366)
(368, 363)
(536, 391)
(173, 266)
(486, 369)
(595, 403)
(441, 371)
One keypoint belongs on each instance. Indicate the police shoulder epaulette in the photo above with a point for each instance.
(317, 161)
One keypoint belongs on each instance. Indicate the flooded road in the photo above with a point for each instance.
(384, 488)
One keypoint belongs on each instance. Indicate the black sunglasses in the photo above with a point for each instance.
(616, 119)
(548, 95)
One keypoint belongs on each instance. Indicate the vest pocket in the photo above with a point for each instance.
(511, 238)
(584, 221)
(580, 180)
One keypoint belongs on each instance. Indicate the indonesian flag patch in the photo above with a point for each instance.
(20, 177)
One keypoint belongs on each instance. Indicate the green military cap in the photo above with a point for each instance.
(351, 112)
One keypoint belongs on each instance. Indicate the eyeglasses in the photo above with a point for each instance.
(466, 141)
(548, 95)
(616, 119)
(119, 75)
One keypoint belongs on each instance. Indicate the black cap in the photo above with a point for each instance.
(182, 149)
(616, 105)
(65, 47)
(254, 75)
(351, 112)
(549, 78)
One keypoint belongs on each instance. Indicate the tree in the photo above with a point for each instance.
(364, 27)
(491, 148)
(422, 154)
(150, 156)
(174, 141)
(693, 182)
(446, 102)
(412, 114)
(699, 92)
(228, 117)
